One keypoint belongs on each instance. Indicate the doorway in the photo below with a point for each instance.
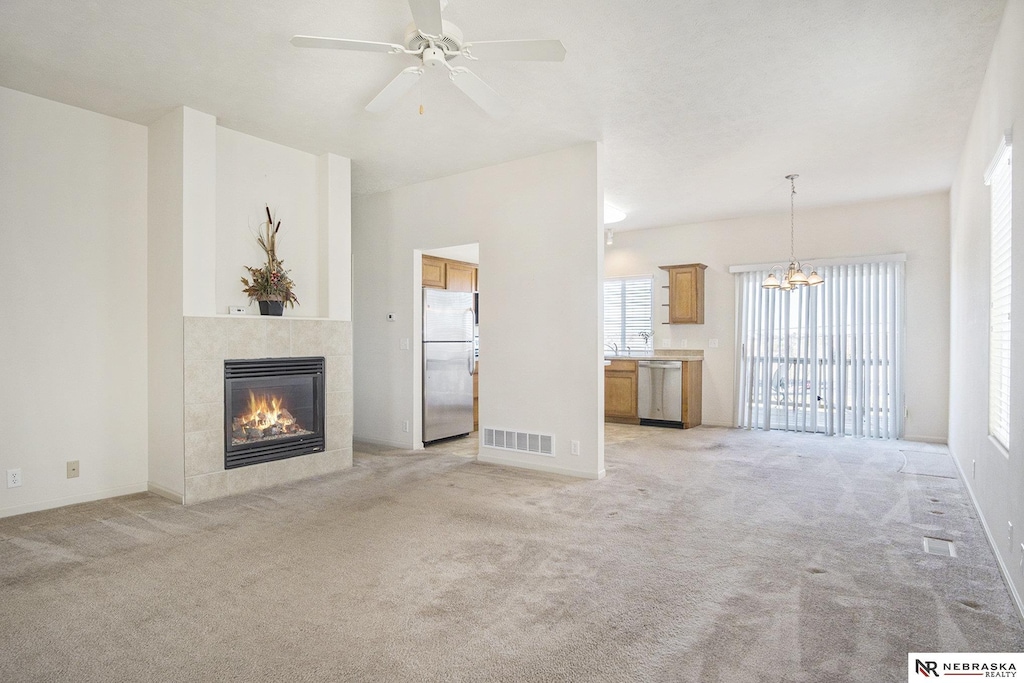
(449, 372)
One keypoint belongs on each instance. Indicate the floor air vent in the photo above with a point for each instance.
(938, 546)
(541, 444)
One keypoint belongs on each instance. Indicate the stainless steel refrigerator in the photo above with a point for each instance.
(448, 363)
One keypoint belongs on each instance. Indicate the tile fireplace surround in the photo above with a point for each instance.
(208, 341)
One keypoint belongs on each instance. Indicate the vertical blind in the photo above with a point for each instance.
(999, 178)
(628, 310)
(826, 358)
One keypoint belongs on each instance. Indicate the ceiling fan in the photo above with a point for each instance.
(437, 41)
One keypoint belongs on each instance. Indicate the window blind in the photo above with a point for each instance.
(628, 311)
(827, 358)
(999, 179)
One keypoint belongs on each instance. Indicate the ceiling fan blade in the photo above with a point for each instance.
(344, 44)
(394, 90)
(526, 50)
(481, 93)
(426, 14)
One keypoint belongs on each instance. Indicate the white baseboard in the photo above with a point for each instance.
(925, 439)
(384, 442)
(1003, 569)
(167, 493)
(72, 500)
(491, 459)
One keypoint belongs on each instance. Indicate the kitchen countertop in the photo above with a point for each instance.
(663, 354)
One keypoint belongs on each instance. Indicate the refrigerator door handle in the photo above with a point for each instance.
(472, 353)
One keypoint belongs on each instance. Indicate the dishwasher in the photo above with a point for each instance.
(660, 392)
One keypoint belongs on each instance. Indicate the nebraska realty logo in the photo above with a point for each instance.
(922, 665)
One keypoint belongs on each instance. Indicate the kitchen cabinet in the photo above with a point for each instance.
(433, 272)
(456, 276)
(692, 388)
(621, 401)
(686, 293)
(620, 392)
(459, 277)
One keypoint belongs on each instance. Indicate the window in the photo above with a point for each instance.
(628, 312)
(999, 179)
(824, 359)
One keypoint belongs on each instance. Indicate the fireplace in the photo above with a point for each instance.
(273, 409)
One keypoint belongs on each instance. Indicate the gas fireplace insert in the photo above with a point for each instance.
(273, 409)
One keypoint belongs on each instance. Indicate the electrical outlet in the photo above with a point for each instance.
(404, 344)
(574, 447)
(14, 478)
(405, 425)
(72, 469)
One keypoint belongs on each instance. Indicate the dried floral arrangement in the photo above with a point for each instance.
(270, 282)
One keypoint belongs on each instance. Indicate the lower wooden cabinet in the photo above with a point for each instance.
(693, 387)
(620, 392)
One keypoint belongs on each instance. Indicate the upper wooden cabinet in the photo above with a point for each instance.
(433, 272)
(459, 276)
(447, 274)
(686, 293)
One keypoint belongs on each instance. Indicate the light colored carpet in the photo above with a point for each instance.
(704, 555)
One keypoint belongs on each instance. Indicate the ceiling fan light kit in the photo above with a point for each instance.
(436, 42)
(792, 276)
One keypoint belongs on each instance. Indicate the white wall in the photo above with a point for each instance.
(252, 173)
(199, 211)
(334, 185)
(73, 338)
(538, 224)
(995, 480)
(165, 297)
(918, 226)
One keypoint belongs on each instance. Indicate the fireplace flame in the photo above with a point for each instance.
(267, 411)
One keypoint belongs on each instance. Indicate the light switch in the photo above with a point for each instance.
(404, 344)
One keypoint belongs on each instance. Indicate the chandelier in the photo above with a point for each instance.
(795, 275)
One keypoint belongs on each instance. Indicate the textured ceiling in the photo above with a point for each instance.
(703, 106)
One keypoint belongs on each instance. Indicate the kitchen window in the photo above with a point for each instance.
(999, 179)
(628, 312)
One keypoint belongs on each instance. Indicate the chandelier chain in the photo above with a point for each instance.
(792, 196)
(793, 276)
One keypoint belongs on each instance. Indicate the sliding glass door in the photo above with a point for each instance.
(826, 358)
